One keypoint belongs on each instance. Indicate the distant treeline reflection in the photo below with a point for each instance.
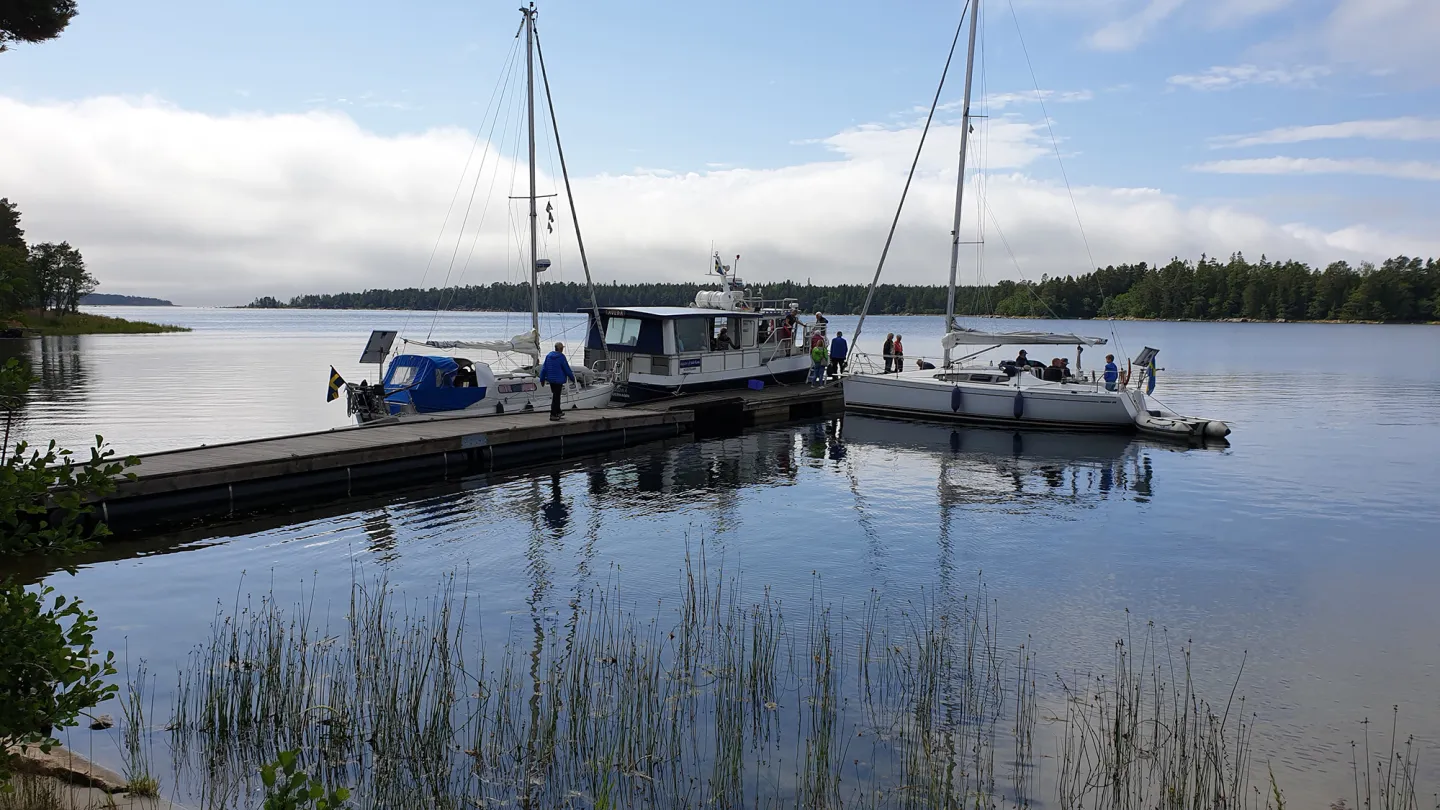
(1398, 290)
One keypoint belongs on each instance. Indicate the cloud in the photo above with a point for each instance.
(1225, 13)
(1408, 128)
(1229, 77)
(206, 209)
(999, 101)
(1127, 33)
(1407, 170)
(1385, 36)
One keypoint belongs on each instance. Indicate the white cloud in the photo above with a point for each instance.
(1408, 128)
(1229, 77)
(1127, 33)
(216, 210)
(1390, 36)
(1224, 13)
(999, 101)
(1407, 169)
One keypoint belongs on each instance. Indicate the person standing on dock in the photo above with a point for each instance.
(839, 350)
(555, 373)
(818, 358)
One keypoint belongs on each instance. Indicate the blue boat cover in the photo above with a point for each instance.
(427, 383)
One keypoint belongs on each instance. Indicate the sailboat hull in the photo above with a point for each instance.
(1030, 402)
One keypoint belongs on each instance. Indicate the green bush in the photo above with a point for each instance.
(52, 671)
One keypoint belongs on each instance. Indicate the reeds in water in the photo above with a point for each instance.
(714, 701)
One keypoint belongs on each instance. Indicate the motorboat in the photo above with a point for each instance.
(969, 389)
(726, 338)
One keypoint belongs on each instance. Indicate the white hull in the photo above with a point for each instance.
(1041, 404)
(1021, 401)
(573, 397)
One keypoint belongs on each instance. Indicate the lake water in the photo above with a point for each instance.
(1308, 549)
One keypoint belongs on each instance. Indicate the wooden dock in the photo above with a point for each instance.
(230, 480)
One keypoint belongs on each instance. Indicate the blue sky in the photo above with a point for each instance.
(1297, 126)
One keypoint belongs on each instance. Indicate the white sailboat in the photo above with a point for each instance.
(424, 382)
(964, 389)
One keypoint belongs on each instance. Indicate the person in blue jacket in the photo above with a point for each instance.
(839, 350)
(555, 373)
(1112, 372)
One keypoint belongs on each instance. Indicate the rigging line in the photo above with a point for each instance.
(508, 65)
(1054, 143)
(445, 300)
(1016, 262)
(569, 195)
(935, 102)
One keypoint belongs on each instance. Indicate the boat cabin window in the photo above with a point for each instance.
(402, 375)
(622, 331)
(692, 334)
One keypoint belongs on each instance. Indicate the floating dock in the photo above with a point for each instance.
(224, 481)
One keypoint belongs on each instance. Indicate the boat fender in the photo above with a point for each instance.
(957, 397)
(1019, 405)
(499, 407)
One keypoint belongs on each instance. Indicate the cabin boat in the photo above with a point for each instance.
(655, 352)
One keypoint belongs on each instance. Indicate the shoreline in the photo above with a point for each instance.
(888, 315)
(38, 324)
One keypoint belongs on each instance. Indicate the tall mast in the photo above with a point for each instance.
(530, 111)
(960, 180)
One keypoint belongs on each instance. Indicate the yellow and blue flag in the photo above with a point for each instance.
(1150, 383)
(335, 382)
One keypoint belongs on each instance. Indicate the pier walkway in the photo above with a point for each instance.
(229, 480)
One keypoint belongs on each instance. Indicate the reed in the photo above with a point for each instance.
(715, 700)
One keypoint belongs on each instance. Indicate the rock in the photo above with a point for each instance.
(68, 767)
(102, 722)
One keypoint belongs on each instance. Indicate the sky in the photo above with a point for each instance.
(211, 153)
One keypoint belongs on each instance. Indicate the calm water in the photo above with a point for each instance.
(1308, 548)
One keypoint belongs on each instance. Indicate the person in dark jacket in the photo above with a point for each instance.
(888, 351)
(839, 350)
(555, 373)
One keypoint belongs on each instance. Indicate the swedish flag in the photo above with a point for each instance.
(335, 382)
(1150, 383)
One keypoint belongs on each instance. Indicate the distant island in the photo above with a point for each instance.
(1399, 290)
(112, 300)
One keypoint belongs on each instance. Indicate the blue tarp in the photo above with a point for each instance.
(426, 383)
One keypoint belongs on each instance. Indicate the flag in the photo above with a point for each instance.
(335, 382)
(1150, 383)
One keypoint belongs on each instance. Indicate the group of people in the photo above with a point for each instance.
(894, 353)
(1059, 369)
(827, 360)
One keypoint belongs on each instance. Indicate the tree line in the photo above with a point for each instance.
(48, 277)
(1399, 290)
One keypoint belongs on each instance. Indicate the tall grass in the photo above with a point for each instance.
(715, 700)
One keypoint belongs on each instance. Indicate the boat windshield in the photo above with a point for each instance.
(622, 331)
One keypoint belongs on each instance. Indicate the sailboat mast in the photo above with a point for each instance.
(960, 179)
(530, 111)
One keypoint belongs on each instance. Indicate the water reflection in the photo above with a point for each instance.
(985, 464)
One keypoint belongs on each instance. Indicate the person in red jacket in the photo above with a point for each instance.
(898, 351)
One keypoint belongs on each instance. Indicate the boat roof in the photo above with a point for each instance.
(678, 312)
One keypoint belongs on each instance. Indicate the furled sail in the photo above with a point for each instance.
(975, 337)
(527, 343)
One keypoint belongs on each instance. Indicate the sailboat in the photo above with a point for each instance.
(423, 382)
(1016, 393)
